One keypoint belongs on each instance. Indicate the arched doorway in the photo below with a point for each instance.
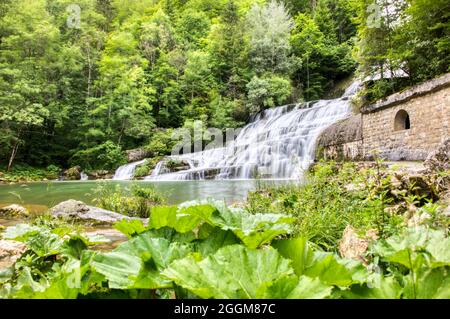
(402, 121)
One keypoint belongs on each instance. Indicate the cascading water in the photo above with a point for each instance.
(279, 143)
(84, 176)
(126, 172)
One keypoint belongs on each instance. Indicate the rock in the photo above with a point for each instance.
(72, 174)
(10, 251)
(353, 246)
(100, 174)
(14, 211)
(137, 154)
(73, 209)
(439, 160)
(419, 186)
(446, 212)
(418, 219)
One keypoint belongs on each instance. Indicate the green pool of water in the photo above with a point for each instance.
(39, 196)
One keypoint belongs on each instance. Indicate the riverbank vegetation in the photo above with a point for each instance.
(204, 249)
(133, 201)
(79, 85)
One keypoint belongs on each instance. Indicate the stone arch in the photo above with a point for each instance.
(402, 121)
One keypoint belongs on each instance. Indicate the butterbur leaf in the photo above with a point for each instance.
(182, 219)
(148, 255)
(217, 239)
(232, 272)
(414, 248)
(254, 230)
(297, 250)
(20, 232)
(380, 288)
(428, 284)
(326, 267)
(310, 288)
(44, 243)
(120, 269)
(160, 250)
(439, 248)
(329, 268)
(130, 228)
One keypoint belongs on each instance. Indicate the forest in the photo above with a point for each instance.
(81, 83)
(275, 214)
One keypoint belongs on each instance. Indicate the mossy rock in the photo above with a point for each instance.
(14, 211)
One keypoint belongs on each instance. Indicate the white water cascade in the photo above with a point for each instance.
(278, 143)
(126, 172)
(84, 176)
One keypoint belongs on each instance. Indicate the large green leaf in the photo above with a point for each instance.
(414, 246)
(254, 230)
(381, 288)
(216, 239)
(183, 218)
(310, 288)
(428, 284)
(20, 232)
(130, 228)
(233, 272)
(328, 267)
(119, 268)
(297, 250)
(139, 262)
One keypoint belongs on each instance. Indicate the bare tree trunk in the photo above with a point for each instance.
(14, 150)
(307, 72)
(89, 74)
(13, 154)
(121, 133)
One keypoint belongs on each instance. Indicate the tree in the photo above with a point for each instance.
(269, 29)
(266, 92)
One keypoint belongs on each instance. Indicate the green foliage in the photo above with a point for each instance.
(25, 173)
(413, 38)
(135, 201)
(323, 207)
(160, 144)
(190, 251)
(267, 92)
(104, 156)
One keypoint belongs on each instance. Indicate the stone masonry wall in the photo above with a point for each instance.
(374, 131)
(429, 116)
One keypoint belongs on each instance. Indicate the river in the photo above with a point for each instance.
(39, 196)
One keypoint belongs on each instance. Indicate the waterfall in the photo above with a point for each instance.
(278, 143)
(126, 172)
(84, 176)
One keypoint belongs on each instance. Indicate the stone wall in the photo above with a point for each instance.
(405, 126)
(342, 140)
(428, 108)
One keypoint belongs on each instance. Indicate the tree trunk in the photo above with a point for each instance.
(307, 74)
(13, 155)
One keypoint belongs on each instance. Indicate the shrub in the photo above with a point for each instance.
(135, 201)
(105, 156)
(331, 199)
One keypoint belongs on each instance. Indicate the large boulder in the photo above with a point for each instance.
(137, 154)
(353, 246)
(77, 210)
(72, 174)
(15, 211)
(10, 251)
(100, 174)
(439, 160)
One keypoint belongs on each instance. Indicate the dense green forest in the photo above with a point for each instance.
(81, 84)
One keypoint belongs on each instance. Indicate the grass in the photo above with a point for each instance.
(333, 197)
(25, 173)
(134, 201)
